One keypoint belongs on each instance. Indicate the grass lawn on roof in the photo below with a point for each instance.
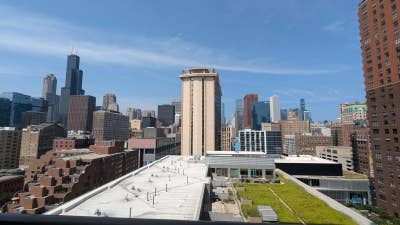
(310, 209)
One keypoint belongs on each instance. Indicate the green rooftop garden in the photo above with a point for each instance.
(304, 206)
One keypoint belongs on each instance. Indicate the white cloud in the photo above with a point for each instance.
(37, 34)
(336, 26)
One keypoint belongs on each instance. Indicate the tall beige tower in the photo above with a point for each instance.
(201, 111)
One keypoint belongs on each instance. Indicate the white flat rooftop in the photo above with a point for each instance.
(302, 159)
(179, 183)
(229, 153)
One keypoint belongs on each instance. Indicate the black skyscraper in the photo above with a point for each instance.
(166, 114)
(73, 86)
(302, 109)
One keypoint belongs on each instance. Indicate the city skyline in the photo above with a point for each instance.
(142, 55)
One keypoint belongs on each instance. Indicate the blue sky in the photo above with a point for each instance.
(136, 49)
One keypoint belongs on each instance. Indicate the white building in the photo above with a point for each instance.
(274, 109)
(268, 142)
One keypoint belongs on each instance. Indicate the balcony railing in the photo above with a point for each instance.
(12, 219)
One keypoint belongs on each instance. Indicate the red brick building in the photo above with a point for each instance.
(361, 144)
(72, 143)
(11, 183)
(380, 46)
(61, 175)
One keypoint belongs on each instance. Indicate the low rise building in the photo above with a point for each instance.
(10, 184)
(135, 124)
(152, 149)
(271, 126)
(339, 154)
(172, 188)
(304, 144)
(61, 175)
(328, 177)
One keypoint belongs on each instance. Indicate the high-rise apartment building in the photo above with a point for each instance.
(248, 102)
(201, 111)
(80, 112)
(10, 142)
(110, 102)
(380, 45)
(109, 126)
(36, 140)
(275, 111)
(361, 145)
(166, 114)
(261, 114)
(50, 95)
(73, 86)
(227, 135)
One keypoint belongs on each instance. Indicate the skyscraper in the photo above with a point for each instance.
(239, 114)
(274, 109)
(50, 95)
(108, 125)
(248, 100)
(73, 86)
(80, 112)
(5, 112)
(380, 44)
(260, 114)
(223, 118)
(110, 102)
(201, 111)
(307, 115)
(166, 114)
(148, 113)
(178, 105)
(302, 109)
(10, 142)
(133, 113)
(284, 114)
(21, 103)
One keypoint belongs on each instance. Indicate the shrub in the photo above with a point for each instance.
(253, 212)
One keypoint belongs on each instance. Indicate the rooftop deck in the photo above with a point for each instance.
(170, 188)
